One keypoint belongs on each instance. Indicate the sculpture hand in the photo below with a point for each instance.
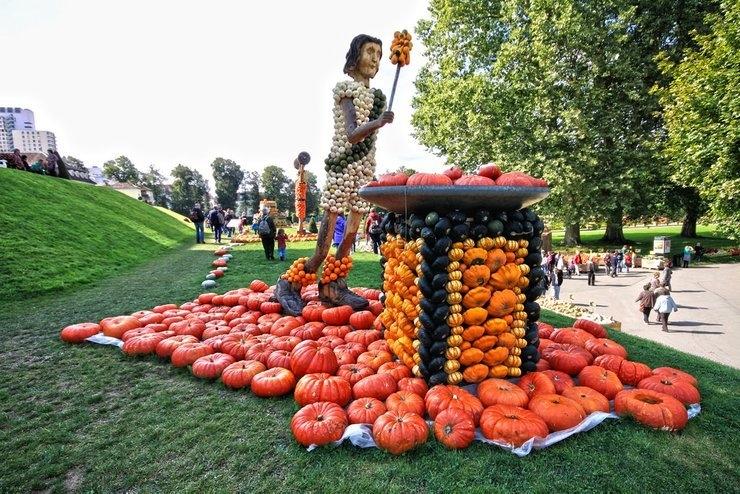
(385, 118)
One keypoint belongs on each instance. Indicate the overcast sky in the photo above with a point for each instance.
(167, 82)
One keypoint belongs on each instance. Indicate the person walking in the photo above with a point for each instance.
(608, 263)
(228, 216)
(687, 250)
(267, 232)
(664, 305)
(282, 242)
(614, 264)
(628, 260)
(556, 280)
(591, 269)
(647, 301)
(666, 274)
(577, 261)
(216, 218)
(197, 217)
(698, 252)
(374, 232)
(655, 282)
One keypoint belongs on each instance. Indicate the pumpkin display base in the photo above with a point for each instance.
(337, 293)
(289, 296)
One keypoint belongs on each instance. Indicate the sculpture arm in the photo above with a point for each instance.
(357, 133)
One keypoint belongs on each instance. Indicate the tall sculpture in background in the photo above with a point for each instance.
(301, 188)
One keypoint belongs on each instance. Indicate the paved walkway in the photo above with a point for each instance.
(707, 323)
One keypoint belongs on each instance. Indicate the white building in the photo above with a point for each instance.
(18, 130)
(96, 174)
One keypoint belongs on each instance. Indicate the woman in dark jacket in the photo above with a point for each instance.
(647, 300)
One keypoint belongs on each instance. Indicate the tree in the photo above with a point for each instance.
(154, 181)
(73, 162)
(121, 170)
(559, 89)
(275, 184)
(701, 112)
(227, 177)
(313, 193)
(251, 198)
(189, 187)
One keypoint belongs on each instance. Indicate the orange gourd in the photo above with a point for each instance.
(475, 256)
(475, 373)
(502, 303)
(495, 357)
(471, 356)
(506, 277)
(485, 343)
(476, 276)
(507, 340)
(472, 333)
(475, 316)
(477, 297)
(495, 326)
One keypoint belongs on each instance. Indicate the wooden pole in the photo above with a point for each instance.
(393, 90)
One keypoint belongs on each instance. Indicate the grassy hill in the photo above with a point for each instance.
(58, 233)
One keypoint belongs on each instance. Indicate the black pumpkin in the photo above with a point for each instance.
(442, 228)
(440, 313)
(436, 364)
(482, 216)
(441, 332)
(440, 280)
(425, 287)
(438, 378)
(440, 264)
(427, 323)
(442, 246)
(427, 234)
(460, 232)
(457, 217)
(439, 296)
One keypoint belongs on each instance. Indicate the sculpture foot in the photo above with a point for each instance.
(289, 296)
(337, 293)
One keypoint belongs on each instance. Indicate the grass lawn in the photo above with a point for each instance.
(88, 418)
(59, 233)
(642, 238)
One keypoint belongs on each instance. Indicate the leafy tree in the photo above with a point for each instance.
(227, 176)
(154, 181)
(73, 162)
(189, 187)
(251, 197)
(313, 193)
(702, 105)
(559, 89)
(275, 185)
(121, 170)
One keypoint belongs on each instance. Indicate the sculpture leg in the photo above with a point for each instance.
(337, 292)
(288, 292)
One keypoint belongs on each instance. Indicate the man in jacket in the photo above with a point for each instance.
(197, 217)
(267, 231)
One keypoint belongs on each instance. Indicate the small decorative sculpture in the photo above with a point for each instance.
(300, 189)
(358, 114)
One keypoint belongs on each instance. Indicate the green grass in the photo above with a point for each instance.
(58, 233)
(89, 418)
(642, 238)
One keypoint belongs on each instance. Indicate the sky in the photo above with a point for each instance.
(183, 82)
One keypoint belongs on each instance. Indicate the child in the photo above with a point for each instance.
(282, 240)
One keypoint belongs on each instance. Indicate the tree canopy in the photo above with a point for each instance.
(188, 188)
(227, 177)
(121, 170)
(277, 187)
(154, 181)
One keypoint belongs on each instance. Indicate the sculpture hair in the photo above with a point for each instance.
(353, 55)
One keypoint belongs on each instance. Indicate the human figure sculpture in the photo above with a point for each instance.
(358, 114)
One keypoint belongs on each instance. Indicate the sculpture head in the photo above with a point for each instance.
(363, 57)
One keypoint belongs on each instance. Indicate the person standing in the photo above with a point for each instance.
(591, 269)
(664, 305)
(216, 218)
(197, 217)
(655, 282)
(577, 261)
(282, 242)
(556, 280)
(647, 301)
(228, 216)
(374, 232)
(608, 263)
(686, 255)
(698, 252)
(665, 275)
(614, 264)
(628, 260)
(267, 232)
(339, 230)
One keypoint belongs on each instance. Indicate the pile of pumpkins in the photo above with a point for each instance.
(250, 238)
(220, 266)
(341, 371)
(489, 175)
(460, 293)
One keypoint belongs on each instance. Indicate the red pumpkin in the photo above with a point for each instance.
(189, 326)
(557, 411)
(501, 392)
(313, 388)
(544, 330)
(237, 347)
(414, 384)
(542, 365)
(188, 353)
(467, 180)
(570, 359)
(442, 397)
(594, 328)
(271, 307)
(453, 172)
(379, 386)
(285, 342)
(511, 425)
(330, 341)
(273, 382)
(339, 331)
(284, 325)
(375, 307)
(362, 320)
(337, 316)
(397, 433)
(590, 399)
(319, 423)
(392, 179)
(144, 344)
(278, 358)
(561, 380)
(395, 369)
(312, 311)
(365, 337)
(211, 366)
(516, 179)
(536, 383)
(348, 353)
(162, 308)
(116, 326)
(239, 374)
(258, 286)
(165, 347)
(353, 373)
(454, 428)
(209, 333)
(77, 333)
(365, 410)
(374, 359)
(309, 331)
(651, 408)
(378, 345)
(605, 346)
(602, 380)
(405, 401)
(682, 390)
(571, 336)
(428, 179)
(490, 170)
(203, 298)
(259, 351)
(678, 374)
(309, 357)
(633, 372)
(151, 318)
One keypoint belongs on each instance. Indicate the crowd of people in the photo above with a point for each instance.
(53, 165)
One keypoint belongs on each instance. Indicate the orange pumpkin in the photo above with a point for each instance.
(471, 356)
(472, 333)
(495, 356)
(475, 316)
(536, 383)
(477, 372)
(651, 408)
(484, 343)
(495, 326)
(678, 374)
(500, 391)
(602, 380)
(475, 256)
(557, 411)
(477, 297)
(561, 380)
(682, 390)
(590, 399)
(605, 346)
(511, 424)
(495, 259)
(506, 278)
(502, 303)
(442, 397)
(476, 276)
